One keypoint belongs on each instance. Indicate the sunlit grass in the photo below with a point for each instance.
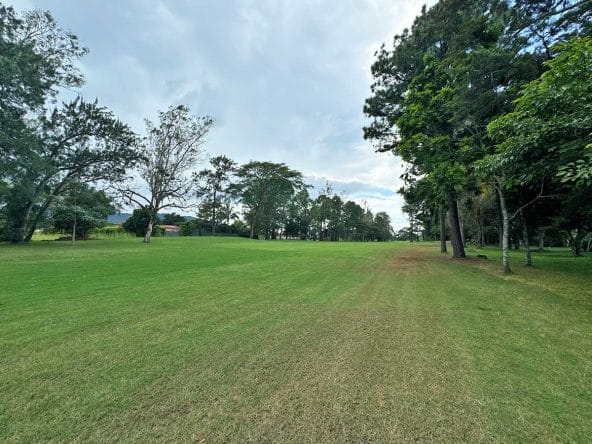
(222, 339)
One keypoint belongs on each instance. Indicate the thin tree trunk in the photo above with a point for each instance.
(149, 230)
(505, 227)
(589, 248)
(527, 252)
(458, 249)
(480, 230)
(462, 232)
(500, 226)
(541, 240)
(443, 249)
(74, 232)
(214, 215)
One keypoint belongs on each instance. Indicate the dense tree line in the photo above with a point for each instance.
(275, 203)
(63, 164)
(489, 104)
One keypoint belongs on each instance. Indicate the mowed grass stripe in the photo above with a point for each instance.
(231, 339)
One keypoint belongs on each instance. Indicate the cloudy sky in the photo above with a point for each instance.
(285, 79)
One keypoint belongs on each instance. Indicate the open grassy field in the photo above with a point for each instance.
(230, 339)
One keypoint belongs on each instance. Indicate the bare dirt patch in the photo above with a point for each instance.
(411, 260)
(417, 257)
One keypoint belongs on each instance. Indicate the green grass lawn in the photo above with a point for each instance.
(222, 339)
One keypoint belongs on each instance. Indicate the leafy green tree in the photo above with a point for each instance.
(82, 142)
(212, 185)
(137, 223)
(299, 216)
(172, 219)
(171, 148)
(550, 130)
(353, 220)
(45, 148)
(264, 189)
(382, 227)
(413, 101)
(81, 209)
(38, 59)
(552, 120)
(329, 216)
(460, 66)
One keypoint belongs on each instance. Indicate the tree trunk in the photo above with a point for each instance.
(24, 234)
(505, 227)
(458, 249)
(575, 242)
(74, 232)
(442, 231)
(462, 232)
(527, 252)
(480, 234)
(214, 215)
(253, 217)
(149, 230)
(30, 228)
(500, 226)
(542, 240)
(589, 248)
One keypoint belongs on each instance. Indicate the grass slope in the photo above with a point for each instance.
(231, 339)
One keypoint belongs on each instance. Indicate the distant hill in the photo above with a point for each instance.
(118, 218)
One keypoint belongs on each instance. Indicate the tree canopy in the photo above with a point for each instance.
(486, 95)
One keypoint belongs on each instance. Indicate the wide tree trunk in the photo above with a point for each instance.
(575, 241)
(442, 231)
(252, 231)
(505, 227)
(458, 249)
(149, 230)
(31, 225)
(527, 252)
(24, 232)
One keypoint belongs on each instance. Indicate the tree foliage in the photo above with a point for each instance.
(44, 147)
(171, 148)
(264, 189)
(80, 210)
(485, 95)
(212, 186)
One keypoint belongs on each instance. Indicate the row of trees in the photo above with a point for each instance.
(489, 104)
(55, 154)
(276, 203)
